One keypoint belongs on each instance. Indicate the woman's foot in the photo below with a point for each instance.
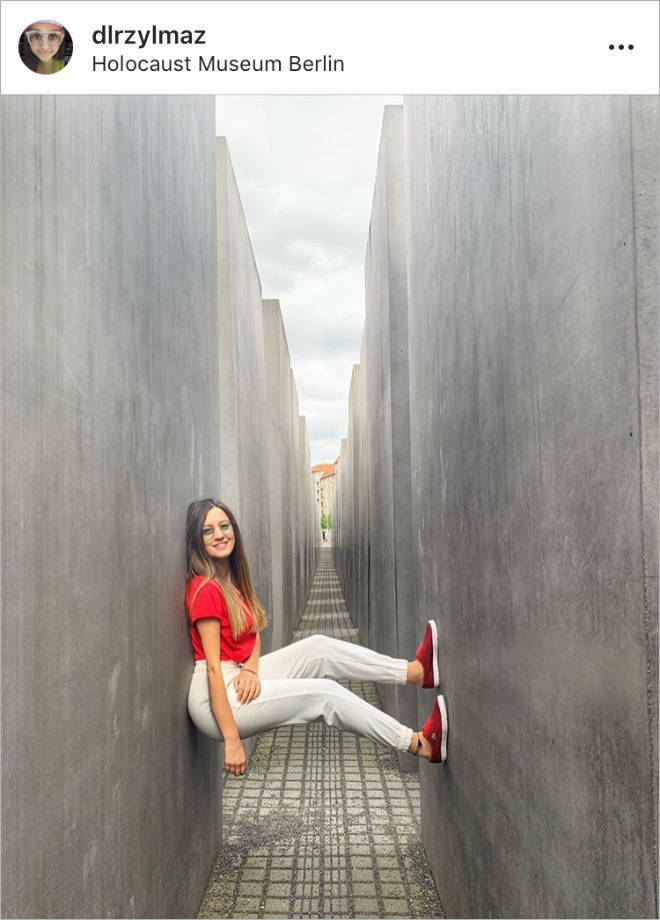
(427, 657)
(431, 742)
(420, 746)
(415, 673)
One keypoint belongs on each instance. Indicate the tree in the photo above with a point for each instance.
(325, 522)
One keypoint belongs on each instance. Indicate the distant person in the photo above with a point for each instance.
(236, 692)
(45, 46)
(325, 536)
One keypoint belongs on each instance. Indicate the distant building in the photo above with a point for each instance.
(324, 478)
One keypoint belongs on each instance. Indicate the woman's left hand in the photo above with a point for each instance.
(247, 686)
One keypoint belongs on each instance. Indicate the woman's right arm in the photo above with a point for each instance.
(209, 633)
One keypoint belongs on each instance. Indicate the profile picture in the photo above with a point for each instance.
(45, 46)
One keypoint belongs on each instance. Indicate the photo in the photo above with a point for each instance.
(329, 539)
(45, 47)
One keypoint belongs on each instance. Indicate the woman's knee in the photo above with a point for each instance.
(318, 643)
(328, 689)
(333, 702)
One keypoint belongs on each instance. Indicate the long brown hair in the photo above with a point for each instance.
(200, 563)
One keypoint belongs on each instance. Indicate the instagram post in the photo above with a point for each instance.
(329, 459)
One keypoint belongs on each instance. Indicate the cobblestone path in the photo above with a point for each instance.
(324, 824)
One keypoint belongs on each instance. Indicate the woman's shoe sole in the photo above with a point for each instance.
(442, 706)
(436, 669)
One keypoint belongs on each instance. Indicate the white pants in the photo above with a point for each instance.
(294, 690)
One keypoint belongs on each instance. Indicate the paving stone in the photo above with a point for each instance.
(250, 889)
(387, 862)
(278, 890)
(253, 874)
(395, 907)
(303, 826)
(362, 849)
(281, 875)
(390, 891)
(364, 889)
(276, 904)
(307, 891)
(248, 905)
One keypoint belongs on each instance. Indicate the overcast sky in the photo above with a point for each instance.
(305, 168)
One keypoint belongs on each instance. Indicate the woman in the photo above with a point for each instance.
(236, 692)
(45, 46)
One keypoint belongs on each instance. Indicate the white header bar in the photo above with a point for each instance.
(340, 46)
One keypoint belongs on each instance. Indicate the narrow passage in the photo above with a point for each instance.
(324, 824)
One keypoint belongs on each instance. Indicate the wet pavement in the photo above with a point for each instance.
(324, 824)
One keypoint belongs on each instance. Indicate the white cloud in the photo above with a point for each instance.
(305, 168)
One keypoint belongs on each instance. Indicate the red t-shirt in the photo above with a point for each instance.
(210, 602)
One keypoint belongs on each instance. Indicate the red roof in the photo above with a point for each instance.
(323, 467)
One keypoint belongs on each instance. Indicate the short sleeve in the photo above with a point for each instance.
(208, 601)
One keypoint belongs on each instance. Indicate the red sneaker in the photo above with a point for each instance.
(435, 731)
(427, 655)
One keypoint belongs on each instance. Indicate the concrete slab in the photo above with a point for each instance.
(392, 623)
(529, 499)
(243, 405)
(110, 380)
(532, 320)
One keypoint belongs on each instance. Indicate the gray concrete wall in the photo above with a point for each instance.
(306, 514)
(644, 169)
(357, 572)
(363, 475)
(525, 382)
(392, 623)
(263, 476)
(135, 368)
(110, 377)
(341, 517)
(244, 476)
(532, 310)
(292, 548)
(278, 401)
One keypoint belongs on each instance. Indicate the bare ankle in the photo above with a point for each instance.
(414, 744)
(424, 749)
(415, 673)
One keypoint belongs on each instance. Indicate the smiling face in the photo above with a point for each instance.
(45, 39)
(218, 534)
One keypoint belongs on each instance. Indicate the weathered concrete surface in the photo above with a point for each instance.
(532, 346)
(644, 167)
(110, 375)
(362, 490)
(307, 516)
(341, 518)
(355, 551)
(533, 329)
(263, 448)
(278, 399)
(392, 624)
(135, 380)
(244, 476)
(293, 550)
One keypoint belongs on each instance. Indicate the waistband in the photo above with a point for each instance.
(230, 669)
(225, 665)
